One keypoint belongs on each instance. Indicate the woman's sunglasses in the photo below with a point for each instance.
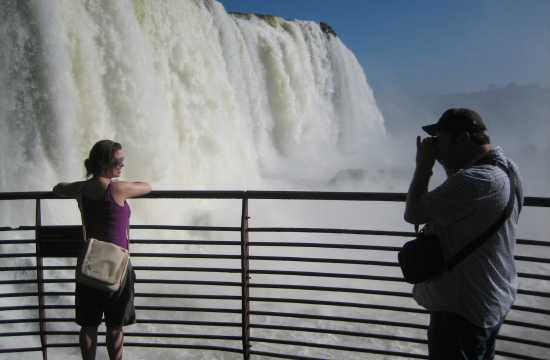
(118, 162)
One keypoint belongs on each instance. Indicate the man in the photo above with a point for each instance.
(467, 304)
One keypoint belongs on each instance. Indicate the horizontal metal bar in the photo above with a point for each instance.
(58, 281)
(252, 194)
(188, 308)
(323, 245)
(139, 321)
(323, 260)
(186, 242)
(536, 201)
(330, 289)
(138, 307)
(188, 296)
(225, 310)
(524, 341)
(532, 242)
(183, 227)
(322, 195)
(19, 307)
(339, 304)
(338, 318)
(59, 267)
(18, 281)
(332, 231)
(59, 319)
(338, 347)
(18, 350)
(533, 293)
(189, 323)
(195, 194)
(19, 321)
(268, 272)
(188, 282)
(17, 255)
(186, 268)
(186, 256)
(156, 345)
(17, 228)
(183, 346)
(154, 335)
(534, 276)
(17, 242)
(56, 307)
(338, 332)
(20, 333)
(157, 194)
(18, 268)
(517, 356)
(58, 293)
(527, 325)
(324, 274)
(137, 268)
(532, 259)
(18, 294)
(151, 295)
(530, 309)
(283, 356)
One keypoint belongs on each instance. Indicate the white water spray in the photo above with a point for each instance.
(199, 99)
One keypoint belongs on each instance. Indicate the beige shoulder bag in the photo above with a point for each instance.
(103, 265)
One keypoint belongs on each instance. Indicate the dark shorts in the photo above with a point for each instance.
(119, 310)
(452, 337)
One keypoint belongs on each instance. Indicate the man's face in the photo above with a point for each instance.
(446, 150)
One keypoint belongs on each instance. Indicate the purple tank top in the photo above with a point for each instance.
(106, 220)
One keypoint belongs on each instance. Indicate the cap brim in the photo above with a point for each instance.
(430, 129)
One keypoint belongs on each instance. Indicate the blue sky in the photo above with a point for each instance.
(432, 47)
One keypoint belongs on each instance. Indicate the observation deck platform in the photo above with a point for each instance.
(251, 288)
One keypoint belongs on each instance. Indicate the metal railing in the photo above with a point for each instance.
(250, 302)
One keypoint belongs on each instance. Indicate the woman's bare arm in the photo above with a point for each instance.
(70, 190)
(123, 190)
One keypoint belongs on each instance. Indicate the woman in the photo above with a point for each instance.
(105, 216)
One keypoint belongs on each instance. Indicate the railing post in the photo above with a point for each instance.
(245, 280)
(40, 284)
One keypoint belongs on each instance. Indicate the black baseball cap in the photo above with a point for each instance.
(457, 120)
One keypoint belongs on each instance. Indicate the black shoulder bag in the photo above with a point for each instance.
(421, 259)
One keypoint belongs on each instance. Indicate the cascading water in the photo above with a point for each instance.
(199, 99)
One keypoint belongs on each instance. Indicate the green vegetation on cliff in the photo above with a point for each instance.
(275, 21)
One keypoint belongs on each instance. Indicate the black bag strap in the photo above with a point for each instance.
(473, 245)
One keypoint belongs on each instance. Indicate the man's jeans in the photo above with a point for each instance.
(451, 337)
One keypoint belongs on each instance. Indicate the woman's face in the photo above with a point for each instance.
(115, 170)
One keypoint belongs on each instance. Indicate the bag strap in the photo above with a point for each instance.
(81, 208)
(473, 245)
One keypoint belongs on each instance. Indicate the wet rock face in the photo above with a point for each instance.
(327, 29)
(272, 20)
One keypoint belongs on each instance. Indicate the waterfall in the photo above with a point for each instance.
(198, 97)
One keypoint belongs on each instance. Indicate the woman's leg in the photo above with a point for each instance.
(88, 342)
(115, 342)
